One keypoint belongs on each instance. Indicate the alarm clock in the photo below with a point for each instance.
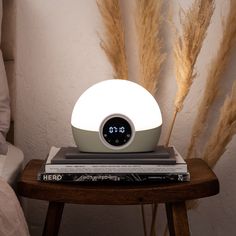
(116, 116)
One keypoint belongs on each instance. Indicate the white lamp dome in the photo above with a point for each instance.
(112, 110)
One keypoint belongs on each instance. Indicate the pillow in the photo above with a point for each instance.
(4, 101)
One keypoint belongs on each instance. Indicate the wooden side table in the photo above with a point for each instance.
(204, 183)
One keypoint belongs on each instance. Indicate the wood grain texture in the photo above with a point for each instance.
(53, 218)
(177, 219)
(203, 183)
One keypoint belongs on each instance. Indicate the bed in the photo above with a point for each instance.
(11, 158)
(11, 163)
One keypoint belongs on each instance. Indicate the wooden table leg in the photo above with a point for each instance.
(53, 219)
(177, 219)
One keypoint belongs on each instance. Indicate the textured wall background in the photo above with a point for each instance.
(57, 58)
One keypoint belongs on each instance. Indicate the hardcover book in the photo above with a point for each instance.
(122, 178)
(72, 155)
(138, 166)
(112, 177)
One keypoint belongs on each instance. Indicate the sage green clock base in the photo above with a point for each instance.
(90, 141)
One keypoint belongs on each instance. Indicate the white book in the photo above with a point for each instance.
(179, 167)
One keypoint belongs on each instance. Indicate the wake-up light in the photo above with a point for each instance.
(116, 116)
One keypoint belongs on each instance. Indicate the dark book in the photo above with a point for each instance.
(72, 155)
(112, 177)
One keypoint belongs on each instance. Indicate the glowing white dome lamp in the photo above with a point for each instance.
(116, 116)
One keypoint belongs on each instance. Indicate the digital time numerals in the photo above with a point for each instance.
(117, 131)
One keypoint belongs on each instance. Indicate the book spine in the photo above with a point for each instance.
(75, 177)
(61, 168)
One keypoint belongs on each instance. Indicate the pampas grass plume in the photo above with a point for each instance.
(217, 68)
(194, 24)
(113, 41)
(149, 20)
(224, 131)
(187, 46)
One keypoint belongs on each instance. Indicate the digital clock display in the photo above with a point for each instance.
(117, 131)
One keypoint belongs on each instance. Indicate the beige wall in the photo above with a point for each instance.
(57, 58)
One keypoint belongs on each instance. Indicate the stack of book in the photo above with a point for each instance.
(68, 164)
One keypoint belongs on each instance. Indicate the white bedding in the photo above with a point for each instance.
(12, 219)
(11, 164)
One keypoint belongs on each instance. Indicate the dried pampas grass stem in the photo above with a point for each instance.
(149, 20)
(113, 41)
(187, 46)
(144, 220)
(153, 222)
(215, 74)
(224, 130)
(148, 25)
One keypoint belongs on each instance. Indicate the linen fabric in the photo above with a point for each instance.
(11, 215)
(4, 100)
